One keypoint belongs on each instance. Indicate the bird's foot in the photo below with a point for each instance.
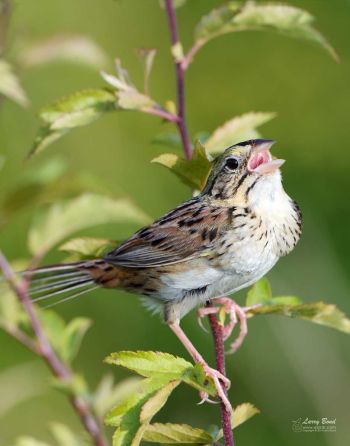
(236, 314)
(221, 384)
(202, 312)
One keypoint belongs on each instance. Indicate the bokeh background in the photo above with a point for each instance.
(287, 368)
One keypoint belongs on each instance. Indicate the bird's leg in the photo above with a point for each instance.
(210, 372)
(236, 314)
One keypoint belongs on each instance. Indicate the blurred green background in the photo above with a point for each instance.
(287, 368)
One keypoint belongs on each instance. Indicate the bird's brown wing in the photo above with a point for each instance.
(188, 231)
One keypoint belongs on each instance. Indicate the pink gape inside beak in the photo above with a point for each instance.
(261, 161)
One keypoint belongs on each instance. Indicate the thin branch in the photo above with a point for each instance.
(22, 338)
(44, 349)
(157, 111)
(181, 66)
(180, 80)
(216, 329)
(190, 55)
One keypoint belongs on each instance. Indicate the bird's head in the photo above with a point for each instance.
(244, 171)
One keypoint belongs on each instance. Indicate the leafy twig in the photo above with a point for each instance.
(181, 66)
(45, 350)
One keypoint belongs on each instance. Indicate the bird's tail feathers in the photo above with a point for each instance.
(64, 281)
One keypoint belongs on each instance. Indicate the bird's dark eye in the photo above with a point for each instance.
(232, 163)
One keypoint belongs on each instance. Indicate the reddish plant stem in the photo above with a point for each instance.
(180, 81)
(44, 349)
(216, 329)
(180, 67)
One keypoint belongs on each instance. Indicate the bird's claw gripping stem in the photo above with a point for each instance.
(221, 383)
(236, 314)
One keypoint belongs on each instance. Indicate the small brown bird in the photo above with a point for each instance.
(214, 244)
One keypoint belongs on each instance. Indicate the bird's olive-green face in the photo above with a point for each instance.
(240, 166)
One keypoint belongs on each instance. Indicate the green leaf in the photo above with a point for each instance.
(129, 98)
(157, 401)
(87, 247)
(240, 128)
(88, 210)
(316, 312)
(80, 108)
(72, 337)
(65, 338)
(122, 81)
(134, 100)
(163, 373)
(108, 394)
(284, 300)
(192, 172)
(242, 413)
(73, 111)
(259, 293)
(128, 411)
(126, 415)
(151, 364)
(262, 302)
(77, 49)
(151, 407)
(115, 82)
(10, 85)
(45, 137)
(54, 327)
(164, 365)
(64, 435)
(251, 16)
(176, 434)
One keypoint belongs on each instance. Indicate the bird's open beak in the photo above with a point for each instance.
(261, 160)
